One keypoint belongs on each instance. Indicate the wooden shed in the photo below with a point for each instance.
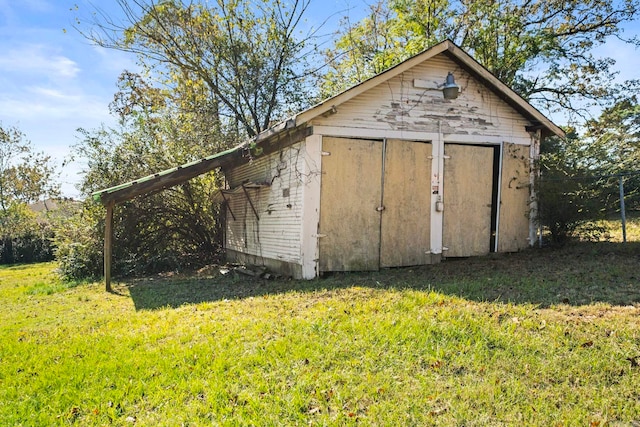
(388, 173)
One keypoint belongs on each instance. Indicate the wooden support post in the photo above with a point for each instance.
(623, 214)
(108, 241)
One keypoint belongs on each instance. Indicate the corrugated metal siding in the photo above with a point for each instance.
(398, 105)
(276, 234)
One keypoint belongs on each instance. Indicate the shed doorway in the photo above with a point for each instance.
(471, 176)
(374, 204)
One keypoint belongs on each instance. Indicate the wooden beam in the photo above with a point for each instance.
(108, 242)
(165, 179)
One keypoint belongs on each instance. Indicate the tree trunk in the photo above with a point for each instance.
(7, 251)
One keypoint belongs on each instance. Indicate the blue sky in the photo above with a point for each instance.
(53, 81)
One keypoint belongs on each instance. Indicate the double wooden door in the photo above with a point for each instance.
(375, 204)
(375, 208)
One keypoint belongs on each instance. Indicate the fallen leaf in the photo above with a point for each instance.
(587, 344)
(543, 324)
(437, 412)
(436, 365)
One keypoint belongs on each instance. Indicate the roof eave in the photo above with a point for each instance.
(166, 178)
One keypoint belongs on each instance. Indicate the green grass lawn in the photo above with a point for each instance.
(545, 337)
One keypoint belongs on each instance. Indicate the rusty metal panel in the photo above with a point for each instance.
(405, 238)
(468, 187)
(513, 231)
(349, 197)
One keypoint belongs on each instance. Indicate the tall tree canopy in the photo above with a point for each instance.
(212, 73)
(245, 59)
(25, 175)
(543, 49)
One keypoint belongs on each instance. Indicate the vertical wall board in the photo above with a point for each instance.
(534, 173)
(349, 196)
(311, 206)
(468, 187)
(405, 238)
(514, 205)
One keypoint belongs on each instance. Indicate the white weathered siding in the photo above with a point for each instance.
(396, 105)
(277, 234)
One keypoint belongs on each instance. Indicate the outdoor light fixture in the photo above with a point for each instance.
(449, 88)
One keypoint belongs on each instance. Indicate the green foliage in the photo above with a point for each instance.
(542, 49)
(243, 60)
(566, 198)
(26, 236)
(612, 147)
(580, 180)
(25, 177)
(174, 229)
(78, 243)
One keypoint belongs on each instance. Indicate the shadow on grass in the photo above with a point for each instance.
(577, 274)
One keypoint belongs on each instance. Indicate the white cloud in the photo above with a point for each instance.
(52, 104)
(35, 60)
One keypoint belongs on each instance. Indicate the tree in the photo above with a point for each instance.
(612, 141)
(243, 58)
(177, 228)
(581, 175)
(568, 194)
(611, 148)
(212, 74)
(543, 49)
(25, 177)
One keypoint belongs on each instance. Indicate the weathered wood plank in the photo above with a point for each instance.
(349, 197)
(405, 238)
(108, 245)
(513, 232)
(165, 179)
(399, 106)
(468, 187)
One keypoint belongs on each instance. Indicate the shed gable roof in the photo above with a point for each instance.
(175, 176)
(459, 56)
